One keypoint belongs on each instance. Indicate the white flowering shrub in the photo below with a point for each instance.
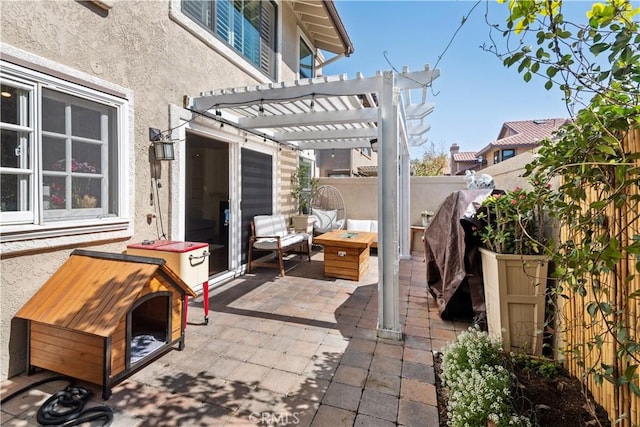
(479, 387)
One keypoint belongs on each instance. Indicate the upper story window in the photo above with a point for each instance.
(248, 26)
(508, 153)
(61, 152)
(306, 67)
(502, 155)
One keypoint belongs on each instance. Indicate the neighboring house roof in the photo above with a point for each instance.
(524, 133)
(465, 156)
(324, 25)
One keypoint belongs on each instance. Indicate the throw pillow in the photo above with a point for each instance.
(325, 218)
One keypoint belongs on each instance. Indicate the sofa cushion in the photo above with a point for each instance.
(362, 225)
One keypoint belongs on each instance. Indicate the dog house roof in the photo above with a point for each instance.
(92, 291)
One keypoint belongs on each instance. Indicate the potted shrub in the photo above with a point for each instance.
(303, 188)
(515, 265)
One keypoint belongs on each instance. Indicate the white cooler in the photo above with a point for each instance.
(189, 260)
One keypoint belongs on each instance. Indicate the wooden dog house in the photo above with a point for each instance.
(103, 316)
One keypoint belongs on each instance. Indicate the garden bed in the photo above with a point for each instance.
(546, 401)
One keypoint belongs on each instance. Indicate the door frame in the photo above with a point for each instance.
(181, 121)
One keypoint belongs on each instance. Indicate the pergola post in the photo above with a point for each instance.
(405, 206)
(388, 205)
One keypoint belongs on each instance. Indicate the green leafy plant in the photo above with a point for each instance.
(596, 64)
(545, 368)
(303, 187)
(514, 222)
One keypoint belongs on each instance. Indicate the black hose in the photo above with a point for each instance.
(66, 407)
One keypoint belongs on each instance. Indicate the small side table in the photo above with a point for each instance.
(414, 229)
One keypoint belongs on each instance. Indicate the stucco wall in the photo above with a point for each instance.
(427, 192)
(138, 46)
(508, 174)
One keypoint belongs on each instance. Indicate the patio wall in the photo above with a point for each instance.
(427, 193)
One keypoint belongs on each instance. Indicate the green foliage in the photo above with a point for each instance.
(572, 55)
(514, 222)
(478, 386)
(434, 162)
(544, 367)
(597, 65)
(303, 187)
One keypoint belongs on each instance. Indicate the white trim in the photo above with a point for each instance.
(301, 35)
(30, 237)
(181, 121)
(175, 13)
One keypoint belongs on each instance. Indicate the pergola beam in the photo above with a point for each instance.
(310, 118)
(332, 134)
(328, 145)
(302, 89)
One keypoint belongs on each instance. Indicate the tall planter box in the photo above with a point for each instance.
(302, 223)
(514, 291)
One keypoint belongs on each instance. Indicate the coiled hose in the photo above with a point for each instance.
(66, 407)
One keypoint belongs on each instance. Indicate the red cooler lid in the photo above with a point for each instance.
(182, 246)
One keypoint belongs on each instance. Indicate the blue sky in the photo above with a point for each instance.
(475, 93)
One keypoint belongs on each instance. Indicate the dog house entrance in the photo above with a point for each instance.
(149, 328)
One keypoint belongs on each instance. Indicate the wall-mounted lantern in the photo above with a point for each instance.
(162, 147)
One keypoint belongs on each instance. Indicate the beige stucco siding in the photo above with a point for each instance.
(137, 45)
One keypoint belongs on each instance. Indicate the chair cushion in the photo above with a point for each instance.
(270, 225)
(272, 244)
(325, 219)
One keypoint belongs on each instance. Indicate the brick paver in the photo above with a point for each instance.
(296, 350)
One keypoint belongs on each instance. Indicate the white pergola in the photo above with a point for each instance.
(336, 112)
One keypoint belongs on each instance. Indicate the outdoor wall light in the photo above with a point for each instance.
(374, 145)
(162, 148)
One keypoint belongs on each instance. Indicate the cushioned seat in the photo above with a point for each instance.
(370, 225)
(270, 233)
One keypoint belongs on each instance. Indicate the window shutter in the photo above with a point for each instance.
(223, 19)
(199, 10)
(267, 30)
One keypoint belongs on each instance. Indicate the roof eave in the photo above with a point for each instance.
(330, 7)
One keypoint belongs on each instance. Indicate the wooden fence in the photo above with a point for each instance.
(580, 328)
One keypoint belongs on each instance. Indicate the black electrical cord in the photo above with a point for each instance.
(66, 407)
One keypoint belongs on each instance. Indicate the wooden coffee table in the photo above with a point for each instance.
(346, 253)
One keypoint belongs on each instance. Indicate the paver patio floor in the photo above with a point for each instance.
(296, 350)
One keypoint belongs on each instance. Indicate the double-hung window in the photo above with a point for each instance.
(248, 26)
(61, 152)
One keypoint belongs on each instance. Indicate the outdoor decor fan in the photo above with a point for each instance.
(327, 208)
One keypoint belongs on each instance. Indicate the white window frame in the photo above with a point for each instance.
(23, 215)
(38, 233)
(302, 38)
